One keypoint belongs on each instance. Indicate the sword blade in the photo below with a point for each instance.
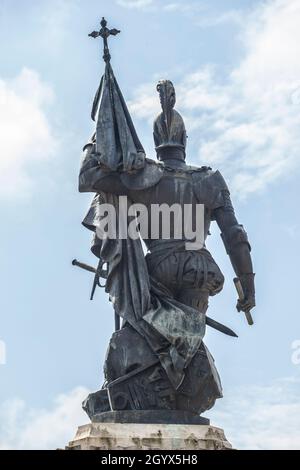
(222, 328)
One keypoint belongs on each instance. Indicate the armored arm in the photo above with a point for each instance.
(94, 177)
(238, 248)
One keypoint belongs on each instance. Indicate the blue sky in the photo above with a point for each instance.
(237, 75)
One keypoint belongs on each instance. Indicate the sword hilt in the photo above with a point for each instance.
(99, 272)
(84, 266)
(240, 291)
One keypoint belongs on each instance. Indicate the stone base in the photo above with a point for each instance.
(150, 417)
(114, 436)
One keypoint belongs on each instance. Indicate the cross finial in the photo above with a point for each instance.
(105, 33)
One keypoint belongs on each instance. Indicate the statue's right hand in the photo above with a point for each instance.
(246, 304)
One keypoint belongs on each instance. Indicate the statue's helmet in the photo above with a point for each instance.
(169, 129)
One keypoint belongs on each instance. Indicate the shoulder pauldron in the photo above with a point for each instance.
(209, 187)
(148, 177)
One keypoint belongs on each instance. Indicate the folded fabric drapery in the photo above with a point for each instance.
(117, 143)
(174, 331)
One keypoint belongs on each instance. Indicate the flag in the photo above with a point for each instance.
(117, 143)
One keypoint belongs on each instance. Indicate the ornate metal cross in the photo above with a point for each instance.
(105, 33)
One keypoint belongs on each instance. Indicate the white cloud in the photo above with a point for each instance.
(204, 15)
(246, 123)
(182, 7)
(138, 4)
(230, 16)
(200, 13)
(26, 135)
(263, 418)
(55, 20)
(26, 428)
(292, 230)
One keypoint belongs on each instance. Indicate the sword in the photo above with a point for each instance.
(209, 321)
(96, 282)
(241, 295)
(222, 328)
(99, 272)
(91, 269)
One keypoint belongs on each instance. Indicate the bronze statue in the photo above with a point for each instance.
(157, 368)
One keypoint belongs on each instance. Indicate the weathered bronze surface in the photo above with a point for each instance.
(157, 359)
(104, 33)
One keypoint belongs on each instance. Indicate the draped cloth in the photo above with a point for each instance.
(173, 330)
(117, 143)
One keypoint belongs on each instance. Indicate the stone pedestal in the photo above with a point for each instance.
(130, 436)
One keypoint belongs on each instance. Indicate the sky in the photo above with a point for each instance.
(236, 70)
